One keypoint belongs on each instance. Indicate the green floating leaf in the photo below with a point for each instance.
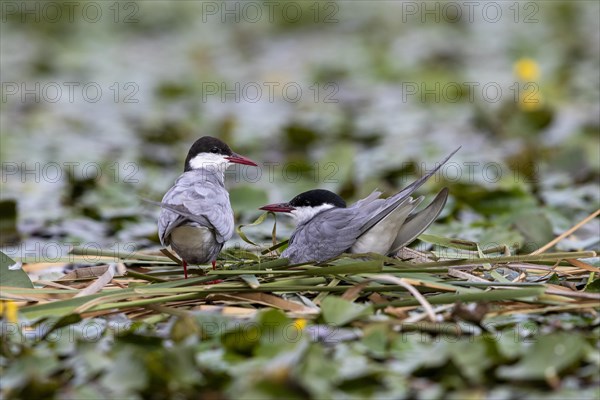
(12, 277)
(337, 165)
(278, 333)
(593, 287)
(535, 228)
(242, 339)
(62, 322)
(128, 373)
(376, 338)
(9, 233)
(554, 279)
(338, 311)
(183, 327)
(549, 356)
(247, 198)
(473, 357)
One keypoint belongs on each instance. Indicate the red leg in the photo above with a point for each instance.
(214, 265)
(185, 269)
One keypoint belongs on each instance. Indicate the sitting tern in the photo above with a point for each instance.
(327, 228)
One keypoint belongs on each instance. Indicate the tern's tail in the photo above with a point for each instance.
(417, 223)
(393, 201)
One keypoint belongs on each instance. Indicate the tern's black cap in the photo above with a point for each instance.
(207, 144)
(317, 197)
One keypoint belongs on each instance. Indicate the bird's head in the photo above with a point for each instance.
(212, 154)
(307, 204)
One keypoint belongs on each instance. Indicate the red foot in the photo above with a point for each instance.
(214, 265)
(212, 282)
(185, 269)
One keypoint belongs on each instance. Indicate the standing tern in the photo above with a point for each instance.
(196, 218)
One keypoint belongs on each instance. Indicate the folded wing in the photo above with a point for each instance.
(417, 223)
(198, 202)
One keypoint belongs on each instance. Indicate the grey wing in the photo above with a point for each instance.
(331, 232)
(369, 199)
(173, 216)
(202, 203)
(327, 235)
(416, 223)
(167, 221)
(393, 202)
(212, 203)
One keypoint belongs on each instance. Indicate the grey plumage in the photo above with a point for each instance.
(331, 232)
(370, 225)
(198, 200)
(418, 222)
(196, 218)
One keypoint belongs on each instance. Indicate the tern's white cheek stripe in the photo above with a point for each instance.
(209, 161)
(301, 214)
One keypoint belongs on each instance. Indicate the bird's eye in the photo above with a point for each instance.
(214, 150)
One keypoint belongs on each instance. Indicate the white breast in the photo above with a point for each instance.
(379, 238)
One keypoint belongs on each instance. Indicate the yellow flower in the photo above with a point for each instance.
(8, 310)
(300, 323)
(527, 69)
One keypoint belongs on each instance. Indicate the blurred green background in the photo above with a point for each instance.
(101, 101)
